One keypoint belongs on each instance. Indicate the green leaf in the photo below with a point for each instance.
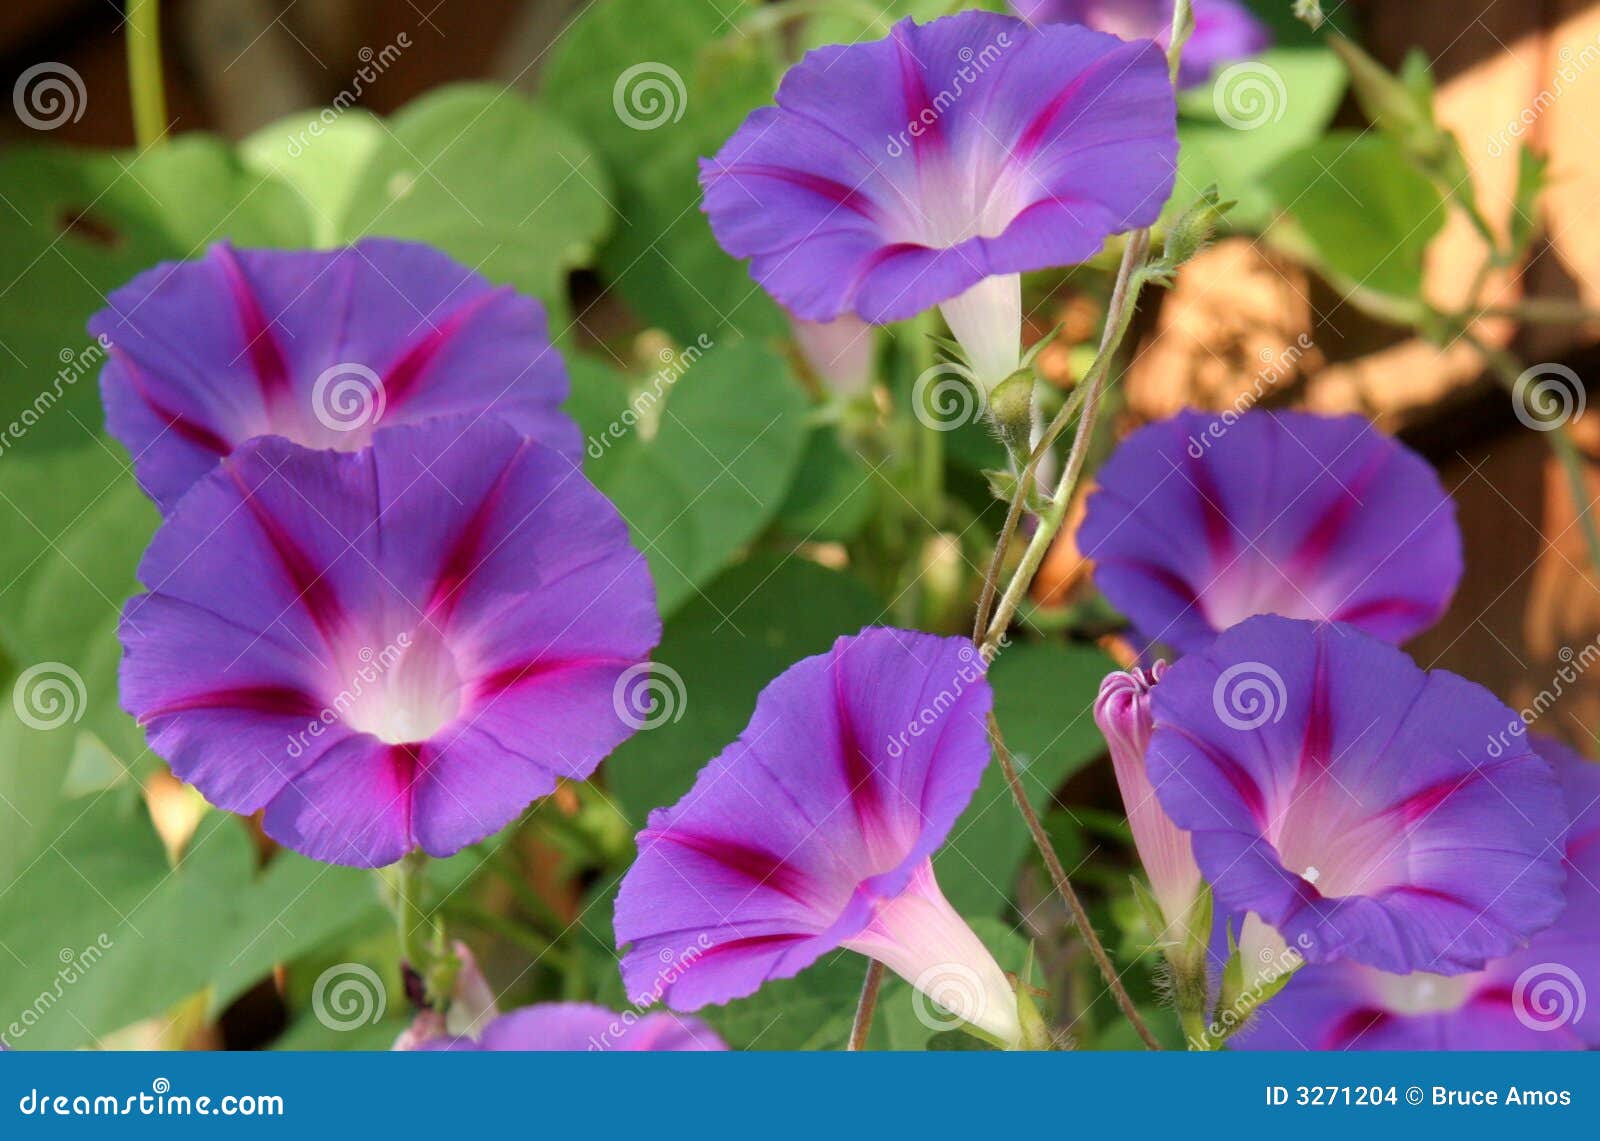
(834, 492)
(103, 932)
(700, 464)
(79, 225)
(1044, 694)
(488, 176)
(1532, 170)
(1234, 129)
(748, 627)
(653, 106)
(1364, 212)
(323, 162)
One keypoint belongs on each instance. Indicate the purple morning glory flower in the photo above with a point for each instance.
(1201, 521)
(1539, 998)
(933, 166)
(388, 649)
(1361, 807)
(321, 347)
(583, 1026)
(1224, 30)
(814, 830)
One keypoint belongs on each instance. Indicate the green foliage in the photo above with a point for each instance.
(488, 176)
(652, 106)
(726, 644)
(1364, 214)
(1043, 698)
(1232, 131)
(698, 460)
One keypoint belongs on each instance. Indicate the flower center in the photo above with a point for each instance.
(1337, 843)
(402, 691)
(1422, 993)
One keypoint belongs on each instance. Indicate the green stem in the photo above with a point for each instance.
(930, 444)
(1119, 317)
(410, 923)
(145, 84)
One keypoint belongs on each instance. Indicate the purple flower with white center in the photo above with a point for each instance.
(1122, 711)
(1224, 30)
(1201, 521)
(935, 165)
(1543, 997)
(814, 830)
(395, 648)
(321, 347)
(582, 1026)
(1361, 807)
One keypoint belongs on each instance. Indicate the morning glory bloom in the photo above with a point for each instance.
(1354, 803)
(814, 831)
(1224, 30)
(395, 648)
(934, 166)
(582, 1026)
(1201, 521)
(322, 347)
(1543, 997)
(1122, 711)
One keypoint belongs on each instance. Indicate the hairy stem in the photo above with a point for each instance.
(1058, 876)
(867, 1006)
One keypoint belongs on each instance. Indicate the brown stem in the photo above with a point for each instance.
(1058, 875)
(868, 1006)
